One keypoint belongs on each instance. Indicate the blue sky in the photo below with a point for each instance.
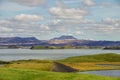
(45, 19)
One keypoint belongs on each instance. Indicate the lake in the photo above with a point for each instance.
(20, 54)
(115, 73)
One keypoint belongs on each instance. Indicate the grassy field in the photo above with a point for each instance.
(108, 57)
(40, 69)
(43, 65)
(23, 74)
(81, 66)
(82, 63)
(90, 62)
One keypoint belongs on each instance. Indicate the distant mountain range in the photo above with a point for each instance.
(28, 41)
(58, 41)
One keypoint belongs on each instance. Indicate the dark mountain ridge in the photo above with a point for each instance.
(18, 39)
(58, 41)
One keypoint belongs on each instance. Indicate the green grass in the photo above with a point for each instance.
(82, 63)
(32, 60)
(43, 65)
(40, 69)
(109, 57)
(46, 47)
(66, 47)
(24, 74)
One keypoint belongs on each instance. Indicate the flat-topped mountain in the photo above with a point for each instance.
(63, 40)
(64, 37)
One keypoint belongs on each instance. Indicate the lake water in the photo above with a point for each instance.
(115, 73)
(20, 54)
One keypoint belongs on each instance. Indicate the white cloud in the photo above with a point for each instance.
(4, 22)
(102, 28)
(45, 27)
(5, 29)
(28, 17)
(117, 24)
(56, 21)
(67, 13)
(111, 20)
(23, 25)
(30, 2)
(79, 32)
(89, 2)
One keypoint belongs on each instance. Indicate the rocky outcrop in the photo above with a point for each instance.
(59, 67)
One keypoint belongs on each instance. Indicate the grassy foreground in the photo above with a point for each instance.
(40, 69)
(22, 74)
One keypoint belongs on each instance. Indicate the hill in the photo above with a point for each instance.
(27, 41)
(58, 41)
(109, 57)
(70, 40)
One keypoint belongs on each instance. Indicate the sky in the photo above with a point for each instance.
(46, 19)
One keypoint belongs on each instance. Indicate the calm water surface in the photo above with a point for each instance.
(104, 72)
(19, 54)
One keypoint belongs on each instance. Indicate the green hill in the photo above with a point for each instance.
(109, 57)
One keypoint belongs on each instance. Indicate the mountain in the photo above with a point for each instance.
(58, 41)
(62, 40)
(64, 37)
(70, 40)
(19, 41)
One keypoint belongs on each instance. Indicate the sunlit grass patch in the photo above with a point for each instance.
(83, 66)
(44, 65)
(23, 74)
